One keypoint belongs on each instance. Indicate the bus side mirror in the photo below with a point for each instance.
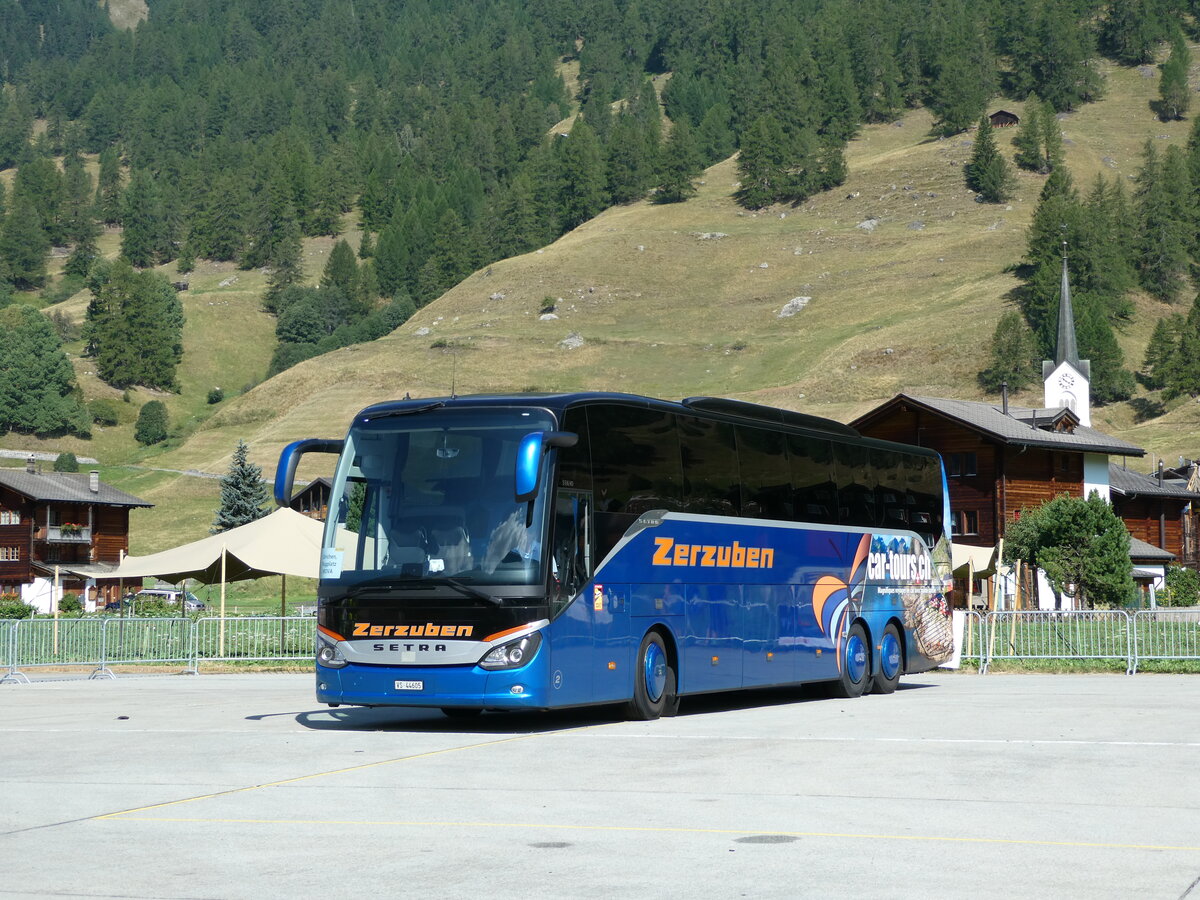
(529, 459)
(285, 472)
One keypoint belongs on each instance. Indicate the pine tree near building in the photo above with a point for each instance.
(1013, 356)
(988, 173)
(1028, 141)
(244, 494)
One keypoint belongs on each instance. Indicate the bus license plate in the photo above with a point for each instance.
(410, 685)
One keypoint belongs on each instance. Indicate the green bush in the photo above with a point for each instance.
(66, 462)
(216, 395)
(13, 607)
(70, 605)
(1182, 589)
(105, 411)
(151, 423)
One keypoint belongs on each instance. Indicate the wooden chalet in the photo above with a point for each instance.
(73, 523)
(1002, 118)
(1002, 460)
(1156, 511)
(999, 463)
(313, 499)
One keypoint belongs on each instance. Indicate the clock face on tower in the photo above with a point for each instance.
(1066, 381)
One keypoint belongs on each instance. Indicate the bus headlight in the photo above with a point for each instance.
(514, 654)
(328, 653)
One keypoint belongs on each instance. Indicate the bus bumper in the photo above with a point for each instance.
(453, 686)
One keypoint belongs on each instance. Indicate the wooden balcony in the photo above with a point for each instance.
(60, 534)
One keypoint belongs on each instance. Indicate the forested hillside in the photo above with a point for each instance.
(236, 133)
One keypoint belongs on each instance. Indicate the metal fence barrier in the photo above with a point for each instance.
(1044, 634)
(258, 638)
(100, 643)
(1166, 634)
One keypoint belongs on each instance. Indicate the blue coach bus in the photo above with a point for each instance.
(540, 551)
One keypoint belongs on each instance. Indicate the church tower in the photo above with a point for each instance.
(1067, 378)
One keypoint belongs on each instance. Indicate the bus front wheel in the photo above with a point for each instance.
(891, 661)
(653, 681)
(856, 664)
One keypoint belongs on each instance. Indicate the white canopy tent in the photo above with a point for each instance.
(283, 543)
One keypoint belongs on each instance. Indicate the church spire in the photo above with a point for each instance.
(1067, 378)
(1066, 348)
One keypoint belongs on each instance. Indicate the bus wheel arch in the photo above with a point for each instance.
(890, 661)
(854, 676)
(655, 677)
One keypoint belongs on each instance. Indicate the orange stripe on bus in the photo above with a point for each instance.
(329, 631)
(507, 631)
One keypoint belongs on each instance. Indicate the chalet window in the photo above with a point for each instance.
(10, 554)
(964, 522)
(9, 517)
(960, 464)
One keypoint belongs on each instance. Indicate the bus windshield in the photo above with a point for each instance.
(428, 498)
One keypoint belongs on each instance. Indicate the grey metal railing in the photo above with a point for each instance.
(101, 643)
(1166, 634)
(1074, 635)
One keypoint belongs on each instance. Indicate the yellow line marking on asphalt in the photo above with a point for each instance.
(934, 838)
(299, 778)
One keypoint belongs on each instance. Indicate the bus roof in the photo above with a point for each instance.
(736, 411)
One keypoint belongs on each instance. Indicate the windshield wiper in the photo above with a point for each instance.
(383, 583)
(470, 591)
(395, 583)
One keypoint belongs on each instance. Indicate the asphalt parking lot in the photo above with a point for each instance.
(231, 786)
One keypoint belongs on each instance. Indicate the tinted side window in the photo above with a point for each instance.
(575, 463)
(856, 486)
(766, 474)
(925, 497)
(891, 488)
(710, 467)
(814, 488)
(635, 459)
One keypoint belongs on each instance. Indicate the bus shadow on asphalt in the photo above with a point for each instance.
(433, 721)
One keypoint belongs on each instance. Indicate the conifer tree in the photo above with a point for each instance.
(988, 173)
(681, 165)
(341, 269)
(1163, 221)
(1012, 357)
(186, 261)
(1173, 92)
(1028, 141)
(1182, 375)
(143, 220)
(244, 494)
(109, 188)
(38, 391)
(1160, 351)
(762, 164)
(518, 229)
(581, 193)
(284, 263)
(24, 244)
(366, 247)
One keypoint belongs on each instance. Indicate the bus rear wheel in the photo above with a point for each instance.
(856, 664)
(653, 681)
(891, 662)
